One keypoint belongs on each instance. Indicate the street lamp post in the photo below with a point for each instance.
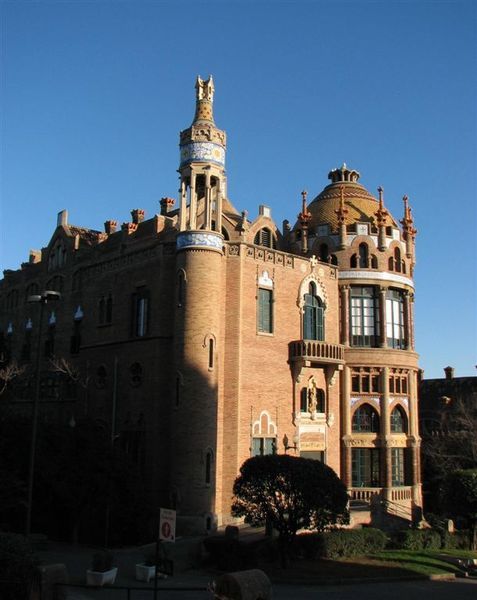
(41, 299)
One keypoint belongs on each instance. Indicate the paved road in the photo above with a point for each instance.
(410, 590)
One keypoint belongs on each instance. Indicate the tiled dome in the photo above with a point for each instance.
(361, 205)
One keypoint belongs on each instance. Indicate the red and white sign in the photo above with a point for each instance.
(167, 525)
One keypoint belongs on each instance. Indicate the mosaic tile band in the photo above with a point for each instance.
(189, 239)
(202, 151)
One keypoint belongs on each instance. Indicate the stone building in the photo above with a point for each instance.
(205, 337)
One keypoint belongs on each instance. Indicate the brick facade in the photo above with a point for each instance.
(162, 316)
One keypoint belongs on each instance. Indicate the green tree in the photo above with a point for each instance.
(290, 494)
(460, 499)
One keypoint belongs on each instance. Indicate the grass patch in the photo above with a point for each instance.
(388, 564)
(420, 562)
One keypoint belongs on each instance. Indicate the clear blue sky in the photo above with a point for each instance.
(94, 95)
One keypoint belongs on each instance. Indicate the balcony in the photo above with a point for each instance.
(316, 352)
(364, 494)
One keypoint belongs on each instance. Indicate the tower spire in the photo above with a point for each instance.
(202, 162)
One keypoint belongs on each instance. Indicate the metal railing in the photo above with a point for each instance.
(130, 592)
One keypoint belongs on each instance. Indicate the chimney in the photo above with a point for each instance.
(137, 215)
(166, 205)
(449, 371)
(264, 211)
(110, 226)
(34, 256)
(62, 219)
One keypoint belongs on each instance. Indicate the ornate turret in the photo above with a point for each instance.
(202, 161)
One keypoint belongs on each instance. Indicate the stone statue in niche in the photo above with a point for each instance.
(312, 397)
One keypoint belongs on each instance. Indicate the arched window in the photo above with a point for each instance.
(324, 252)
(397, 260)
(363, 256)
(353, 263)
(264, 237)
(365, 419)
(102, 310)
(334, 259)
(391, 263)
(398, 421)
(374, 262)
(109, 309)
(313, 317)
(312, 401)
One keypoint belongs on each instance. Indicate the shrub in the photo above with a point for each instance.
(417, 539)
(17, 566)
(459, 540)
(343, 543)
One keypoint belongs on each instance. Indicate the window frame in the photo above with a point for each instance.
(313, 315)
(265, 310)
(364, 322)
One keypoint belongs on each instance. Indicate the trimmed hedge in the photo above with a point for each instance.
(416, 539)
(342, 543)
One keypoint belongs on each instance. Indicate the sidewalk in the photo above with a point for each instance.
(78, 559)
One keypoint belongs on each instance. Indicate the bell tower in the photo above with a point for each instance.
(202, 162)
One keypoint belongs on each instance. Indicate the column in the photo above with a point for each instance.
(193, 202)
(182, 206)
(382, 316)
(346, 424)
(386, 463)
(218, 206)
(414, 435)
(208, 204)
(411, 321)
(345, 314)
(407, 319)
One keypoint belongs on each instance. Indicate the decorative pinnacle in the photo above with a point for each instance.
(342, 211)
(381, 213)
(305, 214)
(204, 99)
(408, 221)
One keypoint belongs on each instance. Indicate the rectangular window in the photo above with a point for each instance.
(140, 315)
(264, 311)
(364, 313)
(365, 467)
(314, 455)
(395, 332)
(397, 459)
(365, 380)
(263, 445)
